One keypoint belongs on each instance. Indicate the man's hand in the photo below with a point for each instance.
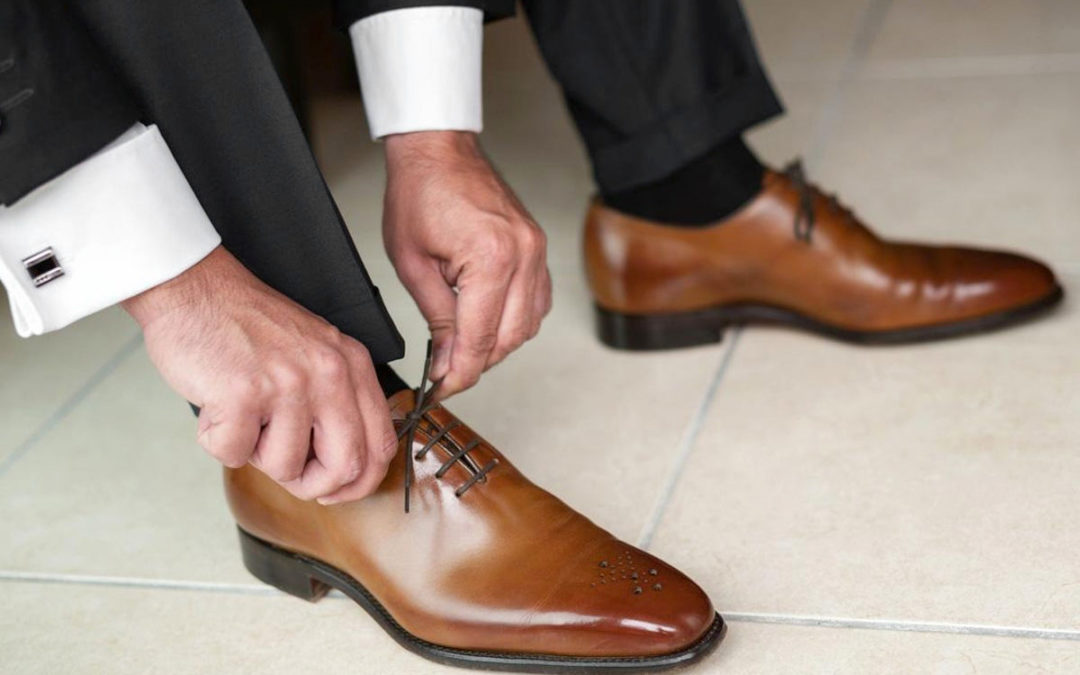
(279, 387)
(466, 249)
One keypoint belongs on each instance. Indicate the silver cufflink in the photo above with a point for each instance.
(43, 267)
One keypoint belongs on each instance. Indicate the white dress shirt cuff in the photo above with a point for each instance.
(118, 223)
(420, 69)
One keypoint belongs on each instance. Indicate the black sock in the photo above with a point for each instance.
(390, 382)
(707, 189)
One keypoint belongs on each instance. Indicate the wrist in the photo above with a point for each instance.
(431, 145)
(191, 286)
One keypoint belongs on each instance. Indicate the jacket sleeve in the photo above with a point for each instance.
(59, 100)
(348, 12)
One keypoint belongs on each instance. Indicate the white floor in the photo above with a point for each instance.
(850, 510)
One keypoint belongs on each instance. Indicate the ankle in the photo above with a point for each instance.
(705, 190)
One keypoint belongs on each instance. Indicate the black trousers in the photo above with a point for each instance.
(651, 84)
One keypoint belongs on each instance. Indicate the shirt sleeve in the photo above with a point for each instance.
(118, 223)
(420, 69)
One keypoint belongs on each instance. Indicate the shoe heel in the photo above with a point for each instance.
(644, 332)
(280, 569)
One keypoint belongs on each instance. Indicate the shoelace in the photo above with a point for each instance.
(423, 405)
(805, 218)
(804, 215)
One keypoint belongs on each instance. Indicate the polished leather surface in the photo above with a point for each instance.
(845, 275)
(504, 567)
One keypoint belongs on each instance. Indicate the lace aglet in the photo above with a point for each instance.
(408, 466)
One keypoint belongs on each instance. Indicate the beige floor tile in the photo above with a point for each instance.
(972, 160)
(79, 629)
(41, 373)
(120, 488)
(47, 628)
(804, 40)
(768, 649)
(791, 135)
(977, 28)
(932, 482)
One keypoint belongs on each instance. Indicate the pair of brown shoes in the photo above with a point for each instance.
(487, 570)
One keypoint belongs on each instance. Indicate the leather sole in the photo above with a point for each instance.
(646, 332)
(312, 579)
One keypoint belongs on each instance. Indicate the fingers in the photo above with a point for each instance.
(283, 446)
(337, 439)
(498, 309)
(480, 303)
(229, 434)
(528, 301)
(515, 325)
(542, 299)
(337, 456)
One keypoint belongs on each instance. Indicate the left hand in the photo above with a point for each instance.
(467, 251)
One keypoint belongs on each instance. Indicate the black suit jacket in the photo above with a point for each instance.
(74, 74)
(59, 99)
(347, 12)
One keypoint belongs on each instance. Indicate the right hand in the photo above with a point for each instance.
(279, 388)
(467, 251)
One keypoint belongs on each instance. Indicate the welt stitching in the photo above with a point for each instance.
(16, 100)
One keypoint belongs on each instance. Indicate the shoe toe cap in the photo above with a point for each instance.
(987, 282)
(628, 603)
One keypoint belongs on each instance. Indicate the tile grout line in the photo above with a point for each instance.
(900, 625)
(135, 582)
(71, 402)
(932, 68)
(970, 67)
(868, 27)
(686, 445)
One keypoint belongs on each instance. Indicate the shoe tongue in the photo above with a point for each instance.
(773, 179)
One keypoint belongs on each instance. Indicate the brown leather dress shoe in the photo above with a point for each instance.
(794, 256)
(486, 570)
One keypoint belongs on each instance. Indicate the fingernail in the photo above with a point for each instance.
(327, 501)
